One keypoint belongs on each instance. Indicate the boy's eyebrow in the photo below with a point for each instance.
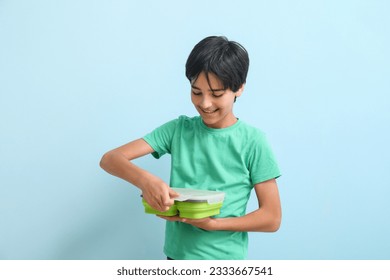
(212, 90)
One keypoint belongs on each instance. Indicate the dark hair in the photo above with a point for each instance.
(228, 60)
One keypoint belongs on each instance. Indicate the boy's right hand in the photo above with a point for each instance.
(159, 195)
(154, 190)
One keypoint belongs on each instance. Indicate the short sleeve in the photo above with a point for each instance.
(261, 160)
(160, 139)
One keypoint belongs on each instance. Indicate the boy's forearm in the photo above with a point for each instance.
(121, 167)
(258, 220)
(154, 190)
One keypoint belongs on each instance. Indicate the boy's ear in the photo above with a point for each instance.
(240, 90)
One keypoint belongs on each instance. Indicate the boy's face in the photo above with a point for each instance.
(214, 104)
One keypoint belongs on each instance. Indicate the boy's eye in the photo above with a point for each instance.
(196, 93)
(219, 95)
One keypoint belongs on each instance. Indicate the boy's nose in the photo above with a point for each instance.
(205, 103)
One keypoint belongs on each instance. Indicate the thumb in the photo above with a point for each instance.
(169, 200)
(173, 194)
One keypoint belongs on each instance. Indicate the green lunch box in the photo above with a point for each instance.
(172, 211)
(192, 204)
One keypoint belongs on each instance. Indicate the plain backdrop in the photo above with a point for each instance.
(78, 78)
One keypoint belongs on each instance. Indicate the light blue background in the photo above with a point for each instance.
(78, 78)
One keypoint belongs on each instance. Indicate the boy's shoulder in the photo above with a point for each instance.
(177, 122)
(184, 118)
(187, 122)
(250, 128)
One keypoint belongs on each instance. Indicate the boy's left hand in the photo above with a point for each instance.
(205, 223)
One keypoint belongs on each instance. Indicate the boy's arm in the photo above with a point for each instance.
(266, 218)
(117, 162)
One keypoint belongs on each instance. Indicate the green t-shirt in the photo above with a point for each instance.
(231, 160)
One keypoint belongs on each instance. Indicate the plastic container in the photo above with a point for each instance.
(192, 204)
(198, 210)
(172, 211)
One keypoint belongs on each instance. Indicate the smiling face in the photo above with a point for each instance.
(213, 102)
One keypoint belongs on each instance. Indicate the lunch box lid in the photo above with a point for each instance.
(192, 195)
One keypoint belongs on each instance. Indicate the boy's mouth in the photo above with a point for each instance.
(209, 112)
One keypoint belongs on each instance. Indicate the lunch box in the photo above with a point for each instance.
(192, 204)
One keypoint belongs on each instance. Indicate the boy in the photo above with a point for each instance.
(213, 151)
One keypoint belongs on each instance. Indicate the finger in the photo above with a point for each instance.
(168, 200)
(163, 217)
(152, 201)
(173, 194)
(157, 204)
(162, 206)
